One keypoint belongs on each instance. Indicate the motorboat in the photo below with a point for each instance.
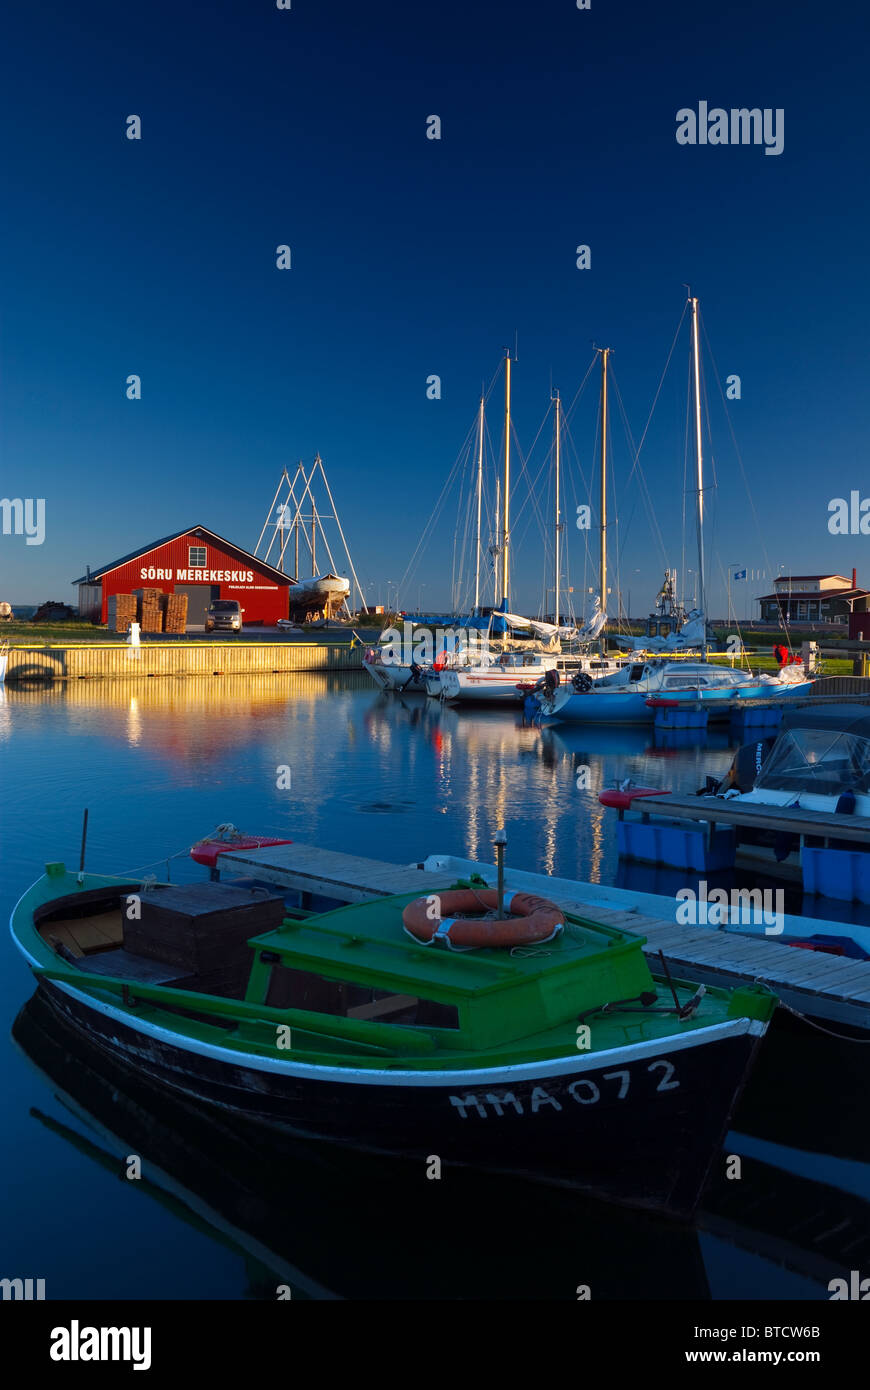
(631, 694)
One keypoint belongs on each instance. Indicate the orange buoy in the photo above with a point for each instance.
(440, 917)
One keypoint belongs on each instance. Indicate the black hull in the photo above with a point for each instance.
(642, 1135)
(332, 1222)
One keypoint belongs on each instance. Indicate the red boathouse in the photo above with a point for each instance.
(196, 562)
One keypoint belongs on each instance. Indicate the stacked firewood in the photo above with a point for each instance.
(122, 612)
(174, 607)
(150, 614)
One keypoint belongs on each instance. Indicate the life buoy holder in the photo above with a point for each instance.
(535, 919)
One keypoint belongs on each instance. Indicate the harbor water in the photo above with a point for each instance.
(325, 760)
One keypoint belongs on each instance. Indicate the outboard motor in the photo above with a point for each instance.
(552, 680)
(744, 770)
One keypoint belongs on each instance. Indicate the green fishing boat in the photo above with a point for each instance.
(564, 1061)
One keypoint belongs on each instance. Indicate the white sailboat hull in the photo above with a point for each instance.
(394, 677)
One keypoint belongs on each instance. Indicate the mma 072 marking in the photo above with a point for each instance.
(611, 1085)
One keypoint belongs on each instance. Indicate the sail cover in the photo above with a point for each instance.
(586, 633)
(594, 625)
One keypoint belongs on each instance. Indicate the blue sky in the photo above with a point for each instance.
(413, 257)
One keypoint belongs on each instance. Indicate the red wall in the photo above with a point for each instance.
(262, 596)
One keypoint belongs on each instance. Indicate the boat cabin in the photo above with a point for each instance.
(359, 963)
(351, 980)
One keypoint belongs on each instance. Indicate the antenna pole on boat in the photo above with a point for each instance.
(500, 841)
(84, 842)
(558, 429)
(505, 568)
(696, 372)
(479, 498)
(605, 353)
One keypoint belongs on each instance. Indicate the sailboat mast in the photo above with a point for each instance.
(495, 548)
(296, 533)
(605, 353)
(505, 530)
(479, 499)
(558, 428)
(696, 369)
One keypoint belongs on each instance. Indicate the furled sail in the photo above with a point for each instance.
(594, 625)
(692, 636)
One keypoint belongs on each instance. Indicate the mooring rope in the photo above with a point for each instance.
(841, 1037)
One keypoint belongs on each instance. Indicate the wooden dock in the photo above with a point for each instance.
(118, 660)
(331, 874)
(717, 810)
(830, 987)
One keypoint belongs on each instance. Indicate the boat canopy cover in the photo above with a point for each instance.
(819, 753)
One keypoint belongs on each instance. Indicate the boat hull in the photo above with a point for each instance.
(489, 688)
(394, 677)
(618, 706)
(639, 1126)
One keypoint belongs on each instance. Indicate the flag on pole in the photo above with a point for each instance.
(740, 574)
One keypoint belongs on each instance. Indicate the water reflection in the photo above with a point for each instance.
(161, 762)
(330, 1223)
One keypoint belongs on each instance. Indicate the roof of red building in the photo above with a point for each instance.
(202, 532)
(814, 594)
(791, 578)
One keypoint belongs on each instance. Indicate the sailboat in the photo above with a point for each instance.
(517, 653)
(624, 698)
(506, 672)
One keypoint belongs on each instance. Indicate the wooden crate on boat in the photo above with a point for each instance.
(202, 927)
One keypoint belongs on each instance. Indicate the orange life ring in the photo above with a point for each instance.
(537, 919)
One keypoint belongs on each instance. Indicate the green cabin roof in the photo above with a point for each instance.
(500, 995)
